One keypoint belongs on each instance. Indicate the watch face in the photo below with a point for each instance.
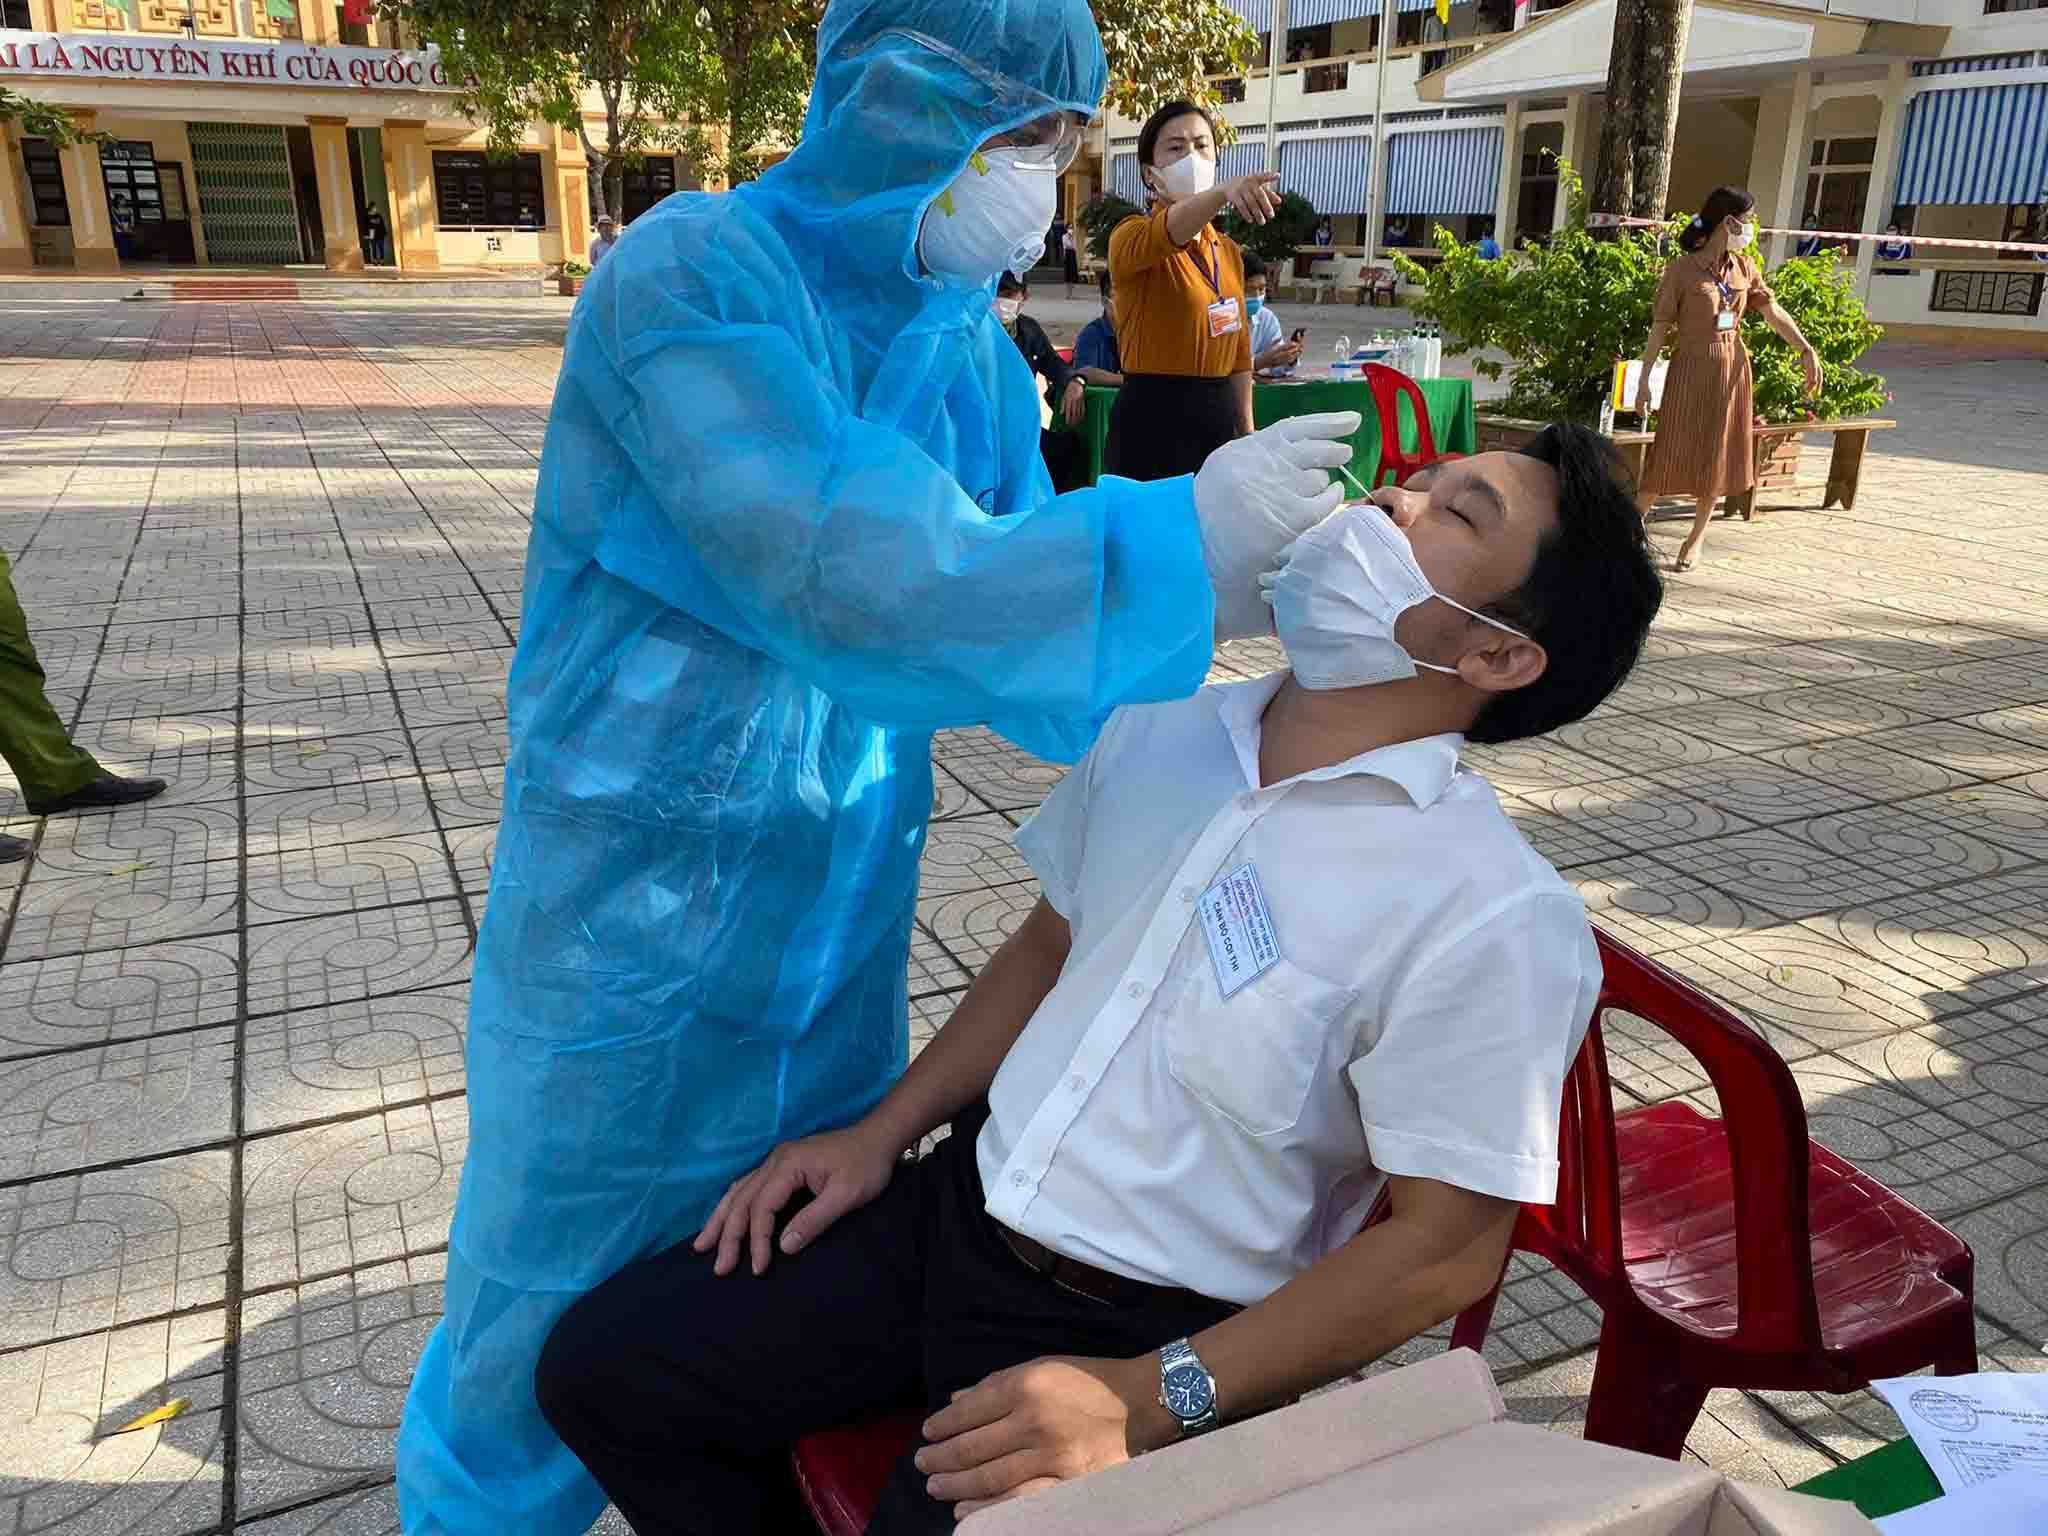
(1188, 1391)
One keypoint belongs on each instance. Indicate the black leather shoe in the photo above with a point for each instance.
(108, 789)
(12, 849)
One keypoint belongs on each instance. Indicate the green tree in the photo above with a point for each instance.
(1294, 224)
(1564, 311)
(39, 120)
(751, 77)
(1162, 50)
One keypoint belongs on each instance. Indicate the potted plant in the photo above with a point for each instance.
(1564, 310)
(569, 280)
(1820, 294)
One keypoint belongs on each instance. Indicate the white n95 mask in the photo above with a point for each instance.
(1336, 600)
(992, 218)
(1189, 176)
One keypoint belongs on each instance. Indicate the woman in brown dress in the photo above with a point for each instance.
(1704, 446)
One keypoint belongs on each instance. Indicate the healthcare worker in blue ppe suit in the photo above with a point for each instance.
(792, 518)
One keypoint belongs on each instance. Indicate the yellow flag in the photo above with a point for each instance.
(1443, 11)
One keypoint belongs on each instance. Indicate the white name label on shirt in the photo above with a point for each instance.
(1239, 929)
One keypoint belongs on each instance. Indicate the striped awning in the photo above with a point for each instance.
(1124, 180)
(1457, 171)
(1981, 144)
(1335, 175)
(1258, 14)
(1244, 158)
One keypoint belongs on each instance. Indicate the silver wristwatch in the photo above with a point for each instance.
(1186, 1389)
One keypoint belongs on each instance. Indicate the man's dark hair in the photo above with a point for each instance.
(1590, 594)
(1010, 282)
(1254, 265)
(1148, 136)
(1102, 281)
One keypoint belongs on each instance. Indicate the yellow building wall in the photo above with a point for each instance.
(1713, 148)
(167, 141)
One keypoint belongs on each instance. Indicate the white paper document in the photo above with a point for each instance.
(2013, 1505)
(1974, 1429)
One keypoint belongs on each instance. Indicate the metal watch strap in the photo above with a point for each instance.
(1181, 1352)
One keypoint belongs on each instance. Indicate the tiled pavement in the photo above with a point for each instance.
(273, 554)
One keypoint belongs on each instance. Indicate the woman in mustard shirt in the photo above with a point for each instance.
(1181, 324)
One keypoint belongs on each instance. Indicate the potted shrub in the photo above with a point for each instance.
(1563, 311)
(1820, 293)
(569, 280)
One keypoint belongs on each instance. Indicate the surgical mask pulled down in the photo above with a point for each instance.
(1347, 581)
(992, 218)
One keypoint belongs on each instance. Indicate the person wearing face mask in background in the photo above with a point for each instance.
(1096, 358)
(746, 610)
(1356, 976)
(1271, 350)
(1181, 321)
(1064, 391)
(1705, 443)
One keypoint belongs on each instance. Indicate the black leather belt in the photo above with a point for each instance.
(1112, 1290)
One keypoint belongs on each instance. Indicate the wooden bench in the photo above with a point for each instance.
(1845, 463)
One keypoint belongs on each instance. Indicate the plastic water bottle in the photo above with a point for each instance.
(1435, 367)
(1340, 356)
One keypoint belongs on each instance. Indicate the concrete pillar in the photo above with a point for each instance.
(1577, 142)
(340, 236)
(1884, 170)
(16, 252)
(409, 173)
(1777, 164)
(1507, 195)
(566, 173)
(85, 190)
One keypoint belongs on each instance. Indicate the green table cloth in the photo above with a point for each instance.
(1450, 417)
(1889, 1479)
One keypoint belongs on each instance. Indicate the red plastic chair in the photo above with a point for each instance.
(1066, 355)
(1729, 1252)
(1389, 388)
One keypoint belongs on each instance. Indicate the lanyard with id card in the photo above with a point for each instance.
(1726, 316)
(1226, 315)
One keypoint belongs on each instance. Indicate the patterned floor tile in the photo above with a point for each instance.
(1974, 754)
(161, 832)
(324, 1370)
(2010, 1239)
(932, 969)
(471, 850)
(1917, 843)
(1658, 907)
(1757, 789)
(1643, 814)
(1844, 710)
(79, 1108)
(972, 925)
(66, 1474)
(370, 1513)
(136, 904)
(84, 1252)
(342, 877)
(999, 775)
(970, 853)
(358, 1192)
(1742, 725)
(1965, 944)
(1771, 871)
(327, 762)
(121, 994)
(1639, 744)
(1865, 771)
(467, 796)
(311, 962)
(1797, 985)
(952, 798)
(368, 811)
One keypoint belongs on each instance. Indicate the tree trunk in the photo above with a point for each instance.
(1643, 79)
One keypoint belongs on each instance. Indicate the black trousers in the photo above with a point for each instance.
(1163, 425)
(682, 1392)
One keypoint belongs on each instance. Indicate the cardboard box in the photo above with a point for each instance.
(1420, 1450)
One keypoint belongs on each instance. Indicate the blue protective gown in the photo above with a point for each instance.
(792, 518)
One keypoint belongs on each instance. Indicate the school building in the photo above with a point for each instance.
(1852, 113)
(243, 137)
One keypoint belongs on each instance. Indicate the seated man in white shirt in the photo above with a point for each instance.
(1289, 952)
(1271, 350)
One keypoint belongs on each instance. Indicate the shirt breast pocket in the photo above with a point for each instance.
(1252, 1058)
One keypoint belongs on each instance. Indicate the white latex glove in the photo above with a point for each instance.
(1254, 497)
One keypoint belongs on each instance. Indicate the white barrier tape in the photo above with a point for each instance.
(1621, 220)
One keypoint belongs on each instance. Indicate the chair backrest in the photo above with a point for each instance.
(1765, 1124)
(1390, 387)
(1348, 270)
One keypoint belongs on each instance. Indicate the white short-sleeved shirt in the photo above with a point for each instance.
(1435, 977)
(1267, 331)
